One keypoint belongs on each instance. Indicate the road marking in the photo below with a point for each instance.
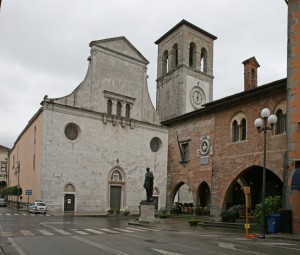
(17, 247)
(124, 230)
(109, 231)
(150, 229)
(166, 252)
(45, 232)
(26, 232)
(94, 231)
(81, 232)
(100, 246)
(137, 229)
(62, 231)
(8, 214)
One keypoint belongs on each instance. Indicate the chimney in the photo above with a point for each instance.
(250, 73)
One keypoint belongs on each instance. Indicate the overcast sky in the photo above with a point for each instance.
(44, 44)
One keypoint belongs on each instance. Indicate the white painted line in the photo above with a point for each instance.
(62, 231)
(46, 233)
(17, 247)
(110, 231)
(150, 229)
(106, 248)
(137, 229)
(81, 232)
(94, 231)
(123, 230)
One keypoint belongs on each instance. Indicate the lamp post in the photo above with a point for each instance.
(264, 124)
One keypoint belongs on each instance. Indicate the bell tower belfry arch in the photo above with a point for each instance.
(184, 70)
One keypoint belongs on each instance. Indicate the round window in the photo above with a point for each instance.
(71, 131)
(155, 144)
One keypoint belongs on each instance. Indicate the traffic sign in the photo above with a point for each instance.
(28, 192)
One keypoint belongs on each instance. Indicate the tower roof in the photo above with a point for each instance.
(181, 23)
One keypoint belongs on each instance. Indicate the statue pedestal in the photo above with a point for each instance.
(147, 212)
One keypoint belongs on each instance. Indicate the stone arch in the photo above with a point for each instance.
(203, 197)
(251, 177)
(192, 54)
(203, 60)
(165, 62)
(69, 187)
(175, 56)
(182, 196)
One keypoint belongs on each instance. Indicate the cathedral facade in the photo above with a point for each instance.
(88, 151)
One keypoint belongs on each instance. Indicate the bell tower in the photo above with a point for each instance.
(184, 70)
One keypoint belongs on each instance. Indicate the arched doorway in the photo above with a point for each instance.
(203, 195)
(182, 198)
(252, 177)
(116, 184)
(69, 198)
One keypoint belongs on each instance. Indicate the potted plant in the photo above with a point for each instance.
(228, 215)
(193, 221)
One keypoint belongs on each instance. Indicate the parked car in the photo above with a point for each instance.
(37, 207)
(2, 201)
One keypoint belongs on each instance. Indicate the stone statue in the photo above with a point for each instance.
(148, 184)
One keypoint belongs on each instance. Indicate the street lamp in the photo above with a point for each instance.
(263, 125)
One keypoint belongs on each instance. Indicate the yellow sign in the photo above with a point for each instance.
(247, 190)
(247, 226)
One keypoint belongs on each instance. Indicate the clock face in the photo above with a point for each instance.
(196, 96)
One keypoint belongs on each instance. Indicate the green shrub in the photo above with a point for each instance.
(272, 206)
(228, 214)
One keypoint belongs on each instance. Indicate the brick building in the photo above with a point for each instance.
(220, 150)
(293, 113)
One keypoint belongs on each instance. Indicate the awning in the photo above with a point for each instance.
(296, 179)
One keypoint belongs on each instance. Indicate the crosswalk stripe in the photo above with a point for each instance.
(94, 231)
(124, 230)
(81, 232)
(62, 232)
(110, 231)
(150, 229)
(8, 214)
(26, 232)
(46, 233)
(137, 229)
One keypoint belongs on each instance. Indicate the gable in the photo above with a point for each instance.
(121, 46)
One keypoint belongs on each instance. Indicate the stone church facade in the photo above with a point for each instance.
(88, 151)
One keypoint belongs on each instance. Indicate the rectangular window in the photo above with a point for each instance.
(3, 166)
(185, 152)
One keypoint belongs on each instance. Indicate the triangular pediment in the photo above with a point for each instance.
(120, 45)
